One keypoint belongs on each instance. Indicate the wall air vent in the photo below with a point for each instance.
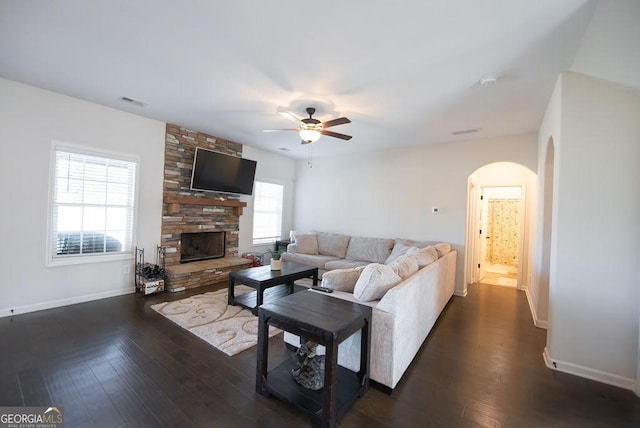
(132, 101)
(466, 131)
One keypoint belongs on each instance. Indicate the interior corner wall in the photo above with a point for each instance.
(278, 169)
(594, 316)
(30, 118)
(550, 129)
(390, 193)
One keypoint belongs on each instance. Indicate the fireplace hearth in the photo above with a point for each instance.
(201, 246)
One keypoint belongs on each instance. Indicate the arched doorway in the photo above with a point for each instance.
(504, 185)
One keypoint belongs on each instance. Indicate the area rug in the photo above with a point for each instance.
(230, 329)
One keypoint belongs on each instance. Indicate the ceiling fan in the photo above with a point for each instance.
(311, 129)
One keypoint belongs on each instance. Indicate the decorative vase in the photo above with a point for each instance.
(276, 264)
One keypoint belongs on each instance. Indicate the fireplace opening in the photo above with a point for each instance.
(201, 246)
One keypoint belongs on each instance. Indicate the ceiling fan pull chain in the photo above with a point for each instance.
(309, 161)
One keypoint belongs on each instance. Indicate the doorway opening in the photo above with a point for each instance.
(500, 218)
(505, 258)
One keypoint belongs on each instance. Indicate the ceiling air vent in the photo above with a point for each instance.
(132, 101)
(466, 131)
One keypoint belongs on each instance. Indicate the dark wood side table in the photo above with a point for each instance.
(261, 278)
(325, 320)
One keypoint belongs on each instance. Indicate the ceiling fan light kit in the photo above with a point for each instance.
(311, 129)
(309, 135)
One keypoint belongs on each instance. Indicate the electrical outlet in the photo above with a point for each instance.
(435, 210)
(126, 269)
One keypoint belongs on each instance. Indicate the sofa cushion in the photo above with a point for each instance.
(344, 264)
(315, 260)
(442, 248)
(417, 244)
(424, 256)
(342, 279)
(307, 243)
(373, 250)
(404, 266)
(374, 281)
(399, 249)
(333, 244)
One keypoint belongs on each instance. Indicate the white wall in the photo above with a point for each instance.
(274, 168)
(390, 193)
(593, 315)
(29, 119)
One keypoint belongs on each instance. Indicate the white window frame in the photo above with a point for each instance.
(50, 257)
(269, 240)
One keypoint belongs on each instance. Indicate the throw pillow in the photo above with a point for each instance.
(424, 256)
(442, 248)
(399, 249)
(333, 244)
(375, 280)
(404, 266)
(342, 279)
(307, 244)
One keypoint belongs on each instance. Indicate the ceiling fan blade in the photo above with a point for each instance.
(276, 130)
(334, 122)
(335, 134)
(290, 116)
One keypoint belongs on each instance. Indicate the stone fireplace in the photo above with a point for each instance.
(199, 229)
(201, 246)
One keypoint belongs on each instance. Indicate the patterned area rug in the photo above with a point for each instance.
(231, 329)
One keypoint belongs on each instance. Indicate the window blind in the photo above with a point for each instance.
(93, 205)
(267, 212)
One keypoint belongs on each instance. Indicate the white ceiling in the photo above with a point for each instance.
(405, 73)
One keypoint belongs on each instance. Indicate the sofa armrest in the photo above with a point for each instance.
(291, 248)
(416, 304)
(417, 292)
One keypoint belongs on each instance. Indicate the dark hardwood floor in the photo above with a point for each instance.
(115, 362)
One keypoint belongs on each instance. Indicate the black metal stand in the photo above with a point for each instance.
(149, 278)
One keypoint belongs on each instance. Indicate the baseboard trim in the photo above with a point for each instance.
(537, 322)
(462, 293)
(7, 312)
(587, 372)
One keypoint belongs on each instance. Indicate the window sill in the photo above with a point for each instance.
(79, 260)
(267, 241)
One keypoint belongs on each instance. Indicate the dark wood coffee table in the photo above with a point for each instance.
(261, 278)
(325, 320)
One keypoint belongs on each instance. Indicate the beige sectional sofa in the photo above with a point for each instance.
(328, 251)
(407, 283)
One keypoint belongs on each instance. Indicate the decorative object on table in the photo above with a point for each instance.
(231, 329)
(149, 277)
(256, 259)
(309, 372)
(292, 236)
(276, 262)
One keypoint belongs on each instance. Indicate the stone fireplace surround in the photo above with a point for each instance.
(186, 211)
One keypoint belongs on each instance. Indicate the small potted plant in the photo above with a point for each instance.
(276, 262)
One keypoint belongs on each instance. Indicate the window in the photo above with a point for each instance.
(267, 212)
(93, 206)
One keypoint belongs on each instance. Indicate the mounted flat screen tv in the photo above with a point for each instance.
(215, 172)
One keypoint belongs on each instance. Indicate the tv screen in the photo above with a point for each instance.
(215, 172)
